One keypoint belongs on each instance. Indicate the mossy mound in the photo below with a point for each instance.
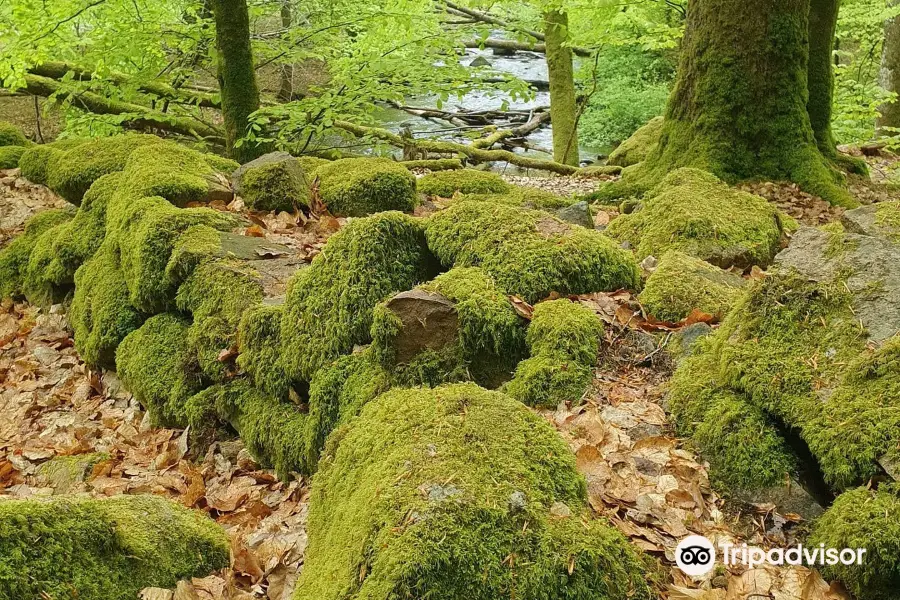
(35, 285)
(564, 338)
(259, 342)
(11, 135)
(869, 519)
(10, 155)
(105, 549)
(528, 252)
(329, 305)
(14, 258)
(276, 186)
(38, 159)
(310, 164)
(527, 197)
(429, 492)
(355, 187)
(76, 169)
(695, 213)
(638, 147)
(464, 181)
(682, 283)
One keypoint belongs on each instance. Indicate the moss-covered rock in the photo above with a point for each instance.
(869, 519)
(74, 171)
(528, 252)
(564, 338)
(157, 363)
(682, 283)
(329, 305)
(355, 187)
(463, 181)
(259, 343)
(881, 219)
(639, 146)
(14, 258)
(527, 197)
(64, 473)
(310, 164)
(35, 285)
(276, 186)
(37, 159)
(11, 135)
(10, 155)
(429, 492)
(106, 549)
(692, 211)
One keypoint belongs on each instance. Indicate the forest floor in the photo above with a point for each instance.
(640, 475)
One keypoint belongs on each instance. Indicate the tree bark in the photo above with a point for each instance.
(739, 107)
(286, 92)
(237, 77)
(890, 72)
(563, 102)
(823, 16)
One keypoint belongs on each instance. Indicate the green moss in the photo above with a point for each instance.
(432, 491)
(101, 314)
(529, 253)
(870, 519)
(528, 197)
(35, 285)
(693, 212)
(259, 342)
(217, 294)
(464, 181)
(14, 258)
(11, 135)
(598, 171)
(276, 186)
(107, 549)
(887, 219)
(682, 283)
(310, 164)
(329, 304)
(638, 147)
(564, 105)
(564, 337)
(157, 364)
(10, 155)
(220, 163)
(37, 159)
(74, 171)
(63, 473)
(355, 187)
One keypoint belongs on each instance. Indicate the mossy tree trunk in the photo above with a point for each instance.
(563, 103)
(237, 77)
(739, 107)
(823, 16)
(890, 71)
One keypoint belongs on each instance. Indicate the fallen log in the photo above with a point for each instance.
(507, 45)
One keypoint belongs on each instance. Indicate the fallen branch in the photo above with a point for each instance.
(511, 45)
(139, 117)
(477, 155)
(535, 122)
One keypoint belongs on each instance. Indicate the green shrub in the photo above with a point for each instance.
(464, 181)
(355, 187)
(106, 549)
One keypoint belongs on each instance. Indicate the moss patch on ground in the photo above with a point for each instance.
(105, 549)
(682, 283)
(695, 213)
(528, 252)
(355, 187)
(464, 181)
(431, 491)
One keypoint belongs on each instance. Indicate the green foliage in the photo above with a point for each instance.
(682, 283)
(464, 181)
(10, 135)
(528, 252)
(106, 549)
(356, 187)
(10, 156)
(461, 489)
(14, 257)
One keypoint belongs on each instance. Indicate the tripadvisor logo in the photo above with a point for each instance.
(696, 555)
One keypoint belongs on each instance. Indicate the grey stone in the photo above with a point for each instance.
(865, 221)
(578, 214)
(517, 502)
(480, 61)
(682, 344)
(788, 498)
(429, 322)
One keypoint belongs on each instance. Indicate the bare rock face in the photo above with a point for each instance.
(578, 214)
(430, 322)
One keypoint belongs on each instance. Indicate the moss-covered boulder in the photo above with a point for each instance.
(355, 187)
(274, 181)
(458, 326)
(529, 253)
(259, 344)
(880, 220)
(458, 492)
(564, 338)
(695, 213)
(310, 164)
(14, 258)
(105, 549)
(682, 283)
(527, 197)
(11, 135)
(10, 155)
(77, 168)
(639, 146)
(38, 159)
(329, 305)
(463, 181)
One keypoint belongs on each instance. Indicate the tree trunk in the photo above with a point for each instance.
(563, 102)
(890, 72)
(286, 92)
(237, 77)
(823, 16)
(739, 107)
